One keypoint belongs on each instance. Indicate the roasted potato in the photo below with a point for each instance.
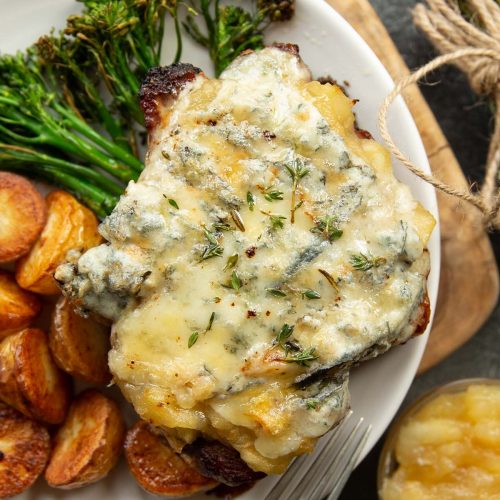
(22, 216)
(30, 381)
(79, 345)
(17, 306)
(88, 444)
(70, 225)
(24, 451)
(157, 468)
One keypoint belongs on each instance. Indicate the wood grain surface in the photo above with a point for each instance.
(469, 283)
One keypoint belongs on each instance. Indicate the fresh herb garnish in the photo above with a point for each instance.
(236, 282)
(193, 338)
(312, 404)
(284, 334)
(302, 357)
(310, 294)
(327, 226)
(231, 262)
(173, 203)
(238, 220)
(276, 220)
(213, 249)
(210, 322)
(362, 262)
(221, 226)
(329, 278)
(272, 194)
(297, 171)
(276, 292)
(250, 201)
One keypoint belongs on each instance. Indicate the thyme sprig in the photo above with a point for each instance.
(363, 262)
(272, 194)
(302, 357)
(276, 220)
(193, 338)
(328, 227)
(214, 248)
(297, 171)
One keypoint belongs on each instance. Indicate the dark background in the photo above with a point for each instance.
(466, 121)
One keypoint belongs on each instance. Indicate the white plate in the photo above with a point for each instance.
(329, 46)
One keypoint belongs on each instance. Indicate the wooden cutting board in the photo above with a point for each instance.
(469, 284)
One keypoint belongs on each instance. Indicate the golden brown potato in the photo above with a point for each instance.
(24, 451)
(79, 345)
(22, 216)
(88, 444)
(30, 381)
(157, 468)
(70, 225)
(17, 306)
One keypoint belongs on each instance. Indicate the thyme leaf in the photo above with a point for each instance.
(250, 201)
(231, 262)
(210, 322)
(362, 262)
(276, 220)
(173, 203)
(236, 282)
(276, 292)
(310, 294)
(193, 338)
(283, 335)
(221, 226)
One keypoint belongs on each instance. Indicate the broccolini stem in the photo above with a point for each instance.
(110, 147)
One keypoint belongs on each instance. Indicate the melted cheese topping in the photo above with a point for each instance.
(223, 307)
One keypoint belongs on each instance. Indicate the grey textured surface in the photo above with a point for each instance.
(466, 121)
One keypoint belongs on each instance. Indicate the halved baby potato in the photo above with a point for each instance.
(30, 381)
(22, 216)
(24, 451)
(156, 466)
(79, 345)
(17, 306)
(69, 226)
(88, 444)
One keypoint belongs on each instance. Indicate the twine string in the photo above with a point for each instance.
(476, 51)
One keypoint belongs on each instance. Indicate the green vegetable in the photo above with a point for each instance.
(362, 262)
(230, 29)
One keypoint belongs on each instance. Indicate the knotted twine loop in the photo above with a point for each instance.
(477, 52)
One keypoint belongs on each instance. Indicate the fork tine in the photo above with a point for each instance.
(309, 488)
(349, 467)
(288, 483)
(320, 480)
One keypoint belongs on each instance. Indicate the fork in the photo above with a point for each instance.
(324, 475)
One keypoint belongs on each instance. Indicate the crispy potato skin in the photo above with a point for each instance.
(88, 444)
(17, 306)
(22, 216)
(69, 225)
(157, 468)
(24, 448)
(79, 345)
(30, 381)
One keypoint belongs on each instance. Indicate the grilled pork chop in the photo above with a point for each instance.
(266, 248)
